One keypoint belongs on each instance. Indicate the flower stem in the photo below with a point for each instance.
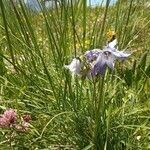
(99, 120)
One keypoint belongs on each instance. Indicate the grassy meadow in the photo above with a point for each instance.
(69, 112)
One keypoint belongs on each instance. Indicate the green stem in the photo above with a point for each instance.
(7, 34)
(104, 22)
(84, 23)
(98, 137)
(73, 28)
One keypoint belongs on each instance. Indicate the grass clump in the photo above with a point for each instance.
(69, 112)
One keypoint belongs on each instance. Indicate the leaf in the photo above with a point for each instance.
(129, 77)
(142, 63)
(141, 67)
(88, 147)
(147, 71)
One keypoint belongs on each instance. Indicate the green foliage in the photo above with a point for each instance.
(68, 112)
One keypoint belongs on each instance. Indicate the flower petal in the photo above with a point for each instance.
(112, 44)
(92, 54)
(99, 69)
(110, 61)
(100, 66)
(75, 66)
(121, 55)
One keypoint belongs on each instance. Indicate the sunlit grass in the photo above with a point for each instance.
(34, 47)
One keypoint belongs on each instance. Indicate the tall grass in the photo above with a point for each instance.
(69, 112)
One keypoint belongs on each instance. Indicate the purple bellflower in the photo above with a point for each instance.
(96, 61)
(107, 57)
(92, 55)
(75, 66)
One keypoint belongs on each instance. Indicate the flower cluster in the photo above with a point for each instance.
(25, 124)
(10, 120)
(94, 62)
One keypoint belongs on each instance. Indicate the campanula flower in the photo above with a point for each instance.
(104, 59)
(111, 47)
(92, 55)
(107, 57)
(95, 62)
(75, 66)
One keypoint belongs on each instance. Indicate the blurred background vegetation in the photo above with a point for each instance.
(35, 46)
